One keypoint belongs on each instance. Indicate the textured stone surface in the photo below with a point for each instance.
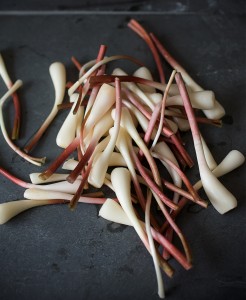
(51, 253)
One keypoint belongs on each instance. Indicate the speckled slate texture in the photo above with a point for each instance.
(139, 6)
(51, 253)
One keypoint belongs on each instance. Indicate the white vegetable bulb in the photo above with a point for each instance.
(112, 211)
(145, 73)
(67, 131)
(103, 102)
(3, 73)
(121, 181)
(220, 197)
(233, 160)
(10, 209)
(58, 76)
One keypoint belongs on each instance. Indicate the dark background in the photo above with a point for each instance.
(167, 6)
(51, 253)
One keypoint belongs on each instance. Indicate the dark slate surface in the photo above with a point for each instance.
(51, 253)
(167, 6)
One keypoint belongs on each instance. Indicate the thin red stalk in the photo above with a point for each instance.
(16, 101)
(173, 187)
(95, 90)
(78, 193)
(135, 26)
(214, 122)
(177, 189)
(83, 161)
(63, 106)
(167, 132)
(169, 237)
(151, 183)
(182, 151)
(142, 202)
(100, 56)
(17, 117)
(92, 200)
(82, 93)
(191, 117)
(171, 249)
(82, 131)
(79, 153)
(69, 84)
(151, 126)
(177, 154)
(193, 192)
(14, 179)
(86, 87)
(60, 159)
(99, 79)
(176, 229)
(94, 194)
(101, 52)
(159, 194)
(76, 63)
(182, 202)
(168, 57)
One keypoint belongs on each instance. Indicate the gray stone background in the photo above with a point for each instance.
(51, 253)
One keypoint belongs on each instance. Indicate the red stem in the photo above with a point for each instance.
(195, 197)
(171, 249)
(76, 63)
(182, 202)
(169, 237)
(166, 55)
(166, 131)
(83, 161)
(135, 26)
(14, 179)
(151, 183)
(78, 193)
(17, 118)
(151, 126)
(60, 159)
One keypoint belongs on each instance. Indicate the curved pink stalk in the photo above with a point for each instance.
(135, 26)
(160, 196)
(86, 87)
(76, 63)
(33, 160)
(151, 126)
(60, 159)
(195, 197)
(218, 111)
(167, 132)
(171, 249)
(73, 88)
(8, 82)
(219, 196)
(58, 76)
(151, 183)
(82, 162)
(76, 196)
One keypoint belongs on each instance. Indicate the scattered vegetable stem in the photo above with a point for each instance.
(8, 82)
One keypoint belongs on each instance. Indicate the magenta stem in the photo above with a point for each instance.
(135, 26)
(60, 159)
